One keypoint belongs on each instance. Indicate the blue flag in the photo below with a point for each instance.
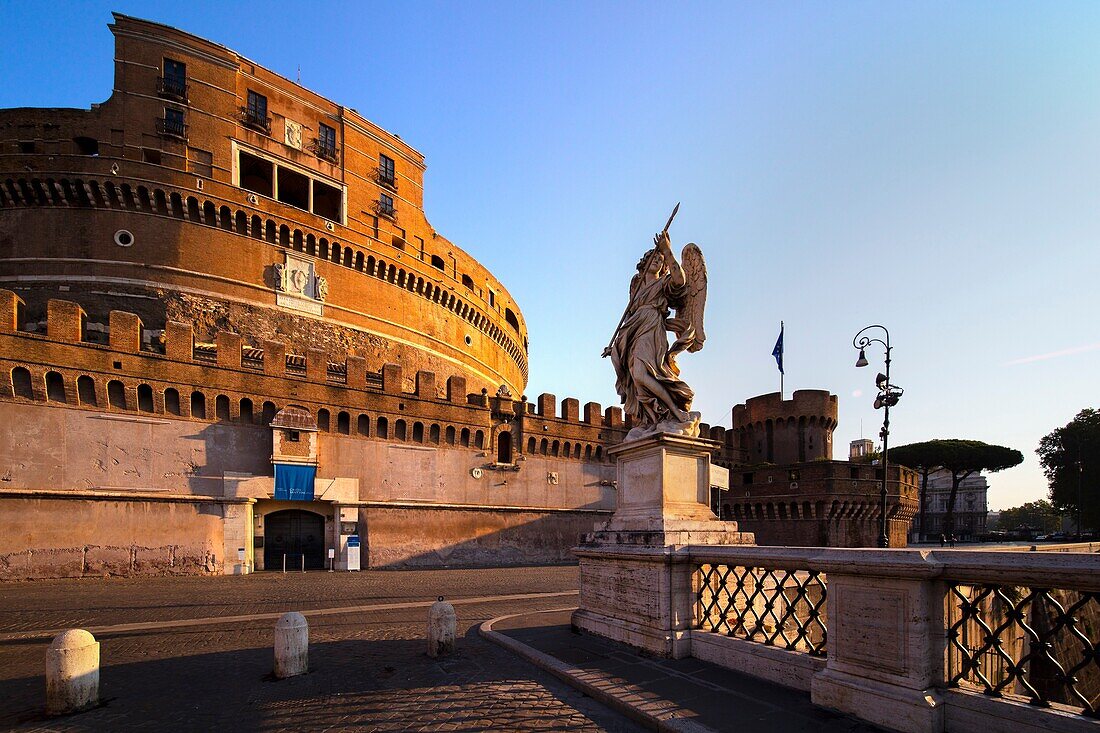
(777, 352)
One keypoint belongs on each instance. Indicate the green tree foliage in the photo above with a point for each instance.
(1070, 453)
(961, 458)
(1040, 515)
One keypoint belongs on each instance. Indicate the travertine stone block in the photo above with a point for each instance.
(72, 673)
(441, 629)
(291, 645)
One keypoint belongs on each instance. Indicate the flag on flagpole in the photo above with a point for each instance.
(777, 352)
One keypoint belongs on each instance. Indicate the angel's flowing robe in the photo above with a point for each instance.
(641, 342)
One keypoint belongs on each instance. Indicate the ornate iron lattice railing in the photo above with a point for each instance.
(1036, 643)
(782, 608)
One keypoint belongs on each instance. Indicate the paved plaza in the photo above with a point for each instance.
(369, 667)
(195, 654)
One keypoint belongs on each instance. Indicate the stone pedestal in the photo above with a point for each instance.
(636, 585)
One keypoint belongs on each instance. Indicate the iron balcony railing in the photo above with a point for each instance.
(171, 128)
(255, 119)
(324, 149)
(383, 209)
(172, 87)
(386, 177)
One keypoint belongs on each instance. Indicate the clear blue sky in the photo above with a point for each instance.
(931, 166)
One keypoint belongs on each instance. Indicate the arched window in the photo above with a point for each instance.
(479, 439)
(464, 437)
(433, 434)
(531, 445)
(256, 227)
(467, 281)
(193, 209)
(450, 435)
(116, 395)
(588, 452)
(21, 383)
(418, 432)
(566, 449)
(511, 318)
(209, 212)
(145, 398)
(577, 450)
(544, 447)
(246, 410)
(225, 218)
(399, 430)
(268, 413)
(85, 390)
(438, 263)
(198, 405)
(362, 425)
(55, 387)
(599, 453)
(383, 430)
(504, 447)
(241, 225)
(323, 419)
(343, 423)
(171, 401)
(221, 407)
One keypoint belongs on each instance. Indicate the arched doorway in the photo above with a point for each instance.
(504, 447)
(296, 534)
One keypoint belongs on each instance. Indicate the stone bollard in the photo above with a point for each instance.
(291, 645)
(441, 629)
(72, 673)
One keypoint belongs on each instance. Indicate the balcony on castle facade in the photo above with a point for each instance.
(384, 209)
(324, 149)
(385, 177)
(171, 128)
(174, 88)
(254, 119)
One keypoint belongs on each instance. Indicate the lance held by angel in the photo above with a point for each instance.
(647, 378)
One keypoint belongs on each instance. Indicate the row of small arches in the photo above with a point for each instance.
(785, 511)
(89, 193)
(566, 449)
(195, 405)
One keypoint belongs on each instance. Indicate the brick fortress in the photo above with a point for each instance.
(221, 289)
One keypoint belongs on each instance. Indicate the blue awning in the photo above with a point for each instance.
(294, 482)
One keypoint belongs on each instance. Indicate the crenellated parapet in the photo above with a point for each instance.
(769, 429)
(123, 366)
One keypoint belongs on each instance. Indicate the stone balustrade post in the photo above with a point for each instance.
(72, 673)
(886, 641)
(291, 645)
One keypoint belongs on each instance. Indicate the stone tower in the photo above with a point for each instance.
(773, 430)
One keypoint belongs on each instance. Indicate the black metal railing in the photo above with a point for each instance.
(1036, 643)
(172, 128)
(172, 87)
(782, 608)
(323, 149)
(255, 119)
(386, 177)
(383, 209)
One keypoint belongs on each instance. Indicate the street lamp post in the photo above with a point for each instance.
(888, 396)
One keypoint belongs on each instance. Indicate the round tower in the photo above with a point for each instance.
(773, 430)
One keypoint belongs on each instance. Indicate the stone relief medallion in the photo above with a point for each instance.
(298, 286)
(294, 134)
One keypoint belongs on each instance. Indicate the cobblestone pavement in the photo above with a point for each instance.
(51, 604)
(368, 669)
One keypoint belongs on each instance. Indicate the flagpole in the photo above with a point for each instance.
(781, 392)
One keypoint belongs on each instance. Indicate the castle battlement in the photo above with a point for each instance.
(269, 369)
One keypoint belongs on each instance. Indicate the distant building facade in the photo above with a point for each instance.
(971, 513)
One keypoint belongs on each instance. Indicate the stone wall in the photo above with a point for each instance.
(72, 538)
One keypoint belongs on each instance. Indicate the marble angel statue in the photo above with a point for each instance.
(647, 377)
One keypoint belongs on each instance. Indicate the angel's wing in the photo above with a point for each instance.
(694, 298)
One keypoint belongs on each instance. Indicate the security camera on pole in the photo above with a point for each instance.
(888, 396)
